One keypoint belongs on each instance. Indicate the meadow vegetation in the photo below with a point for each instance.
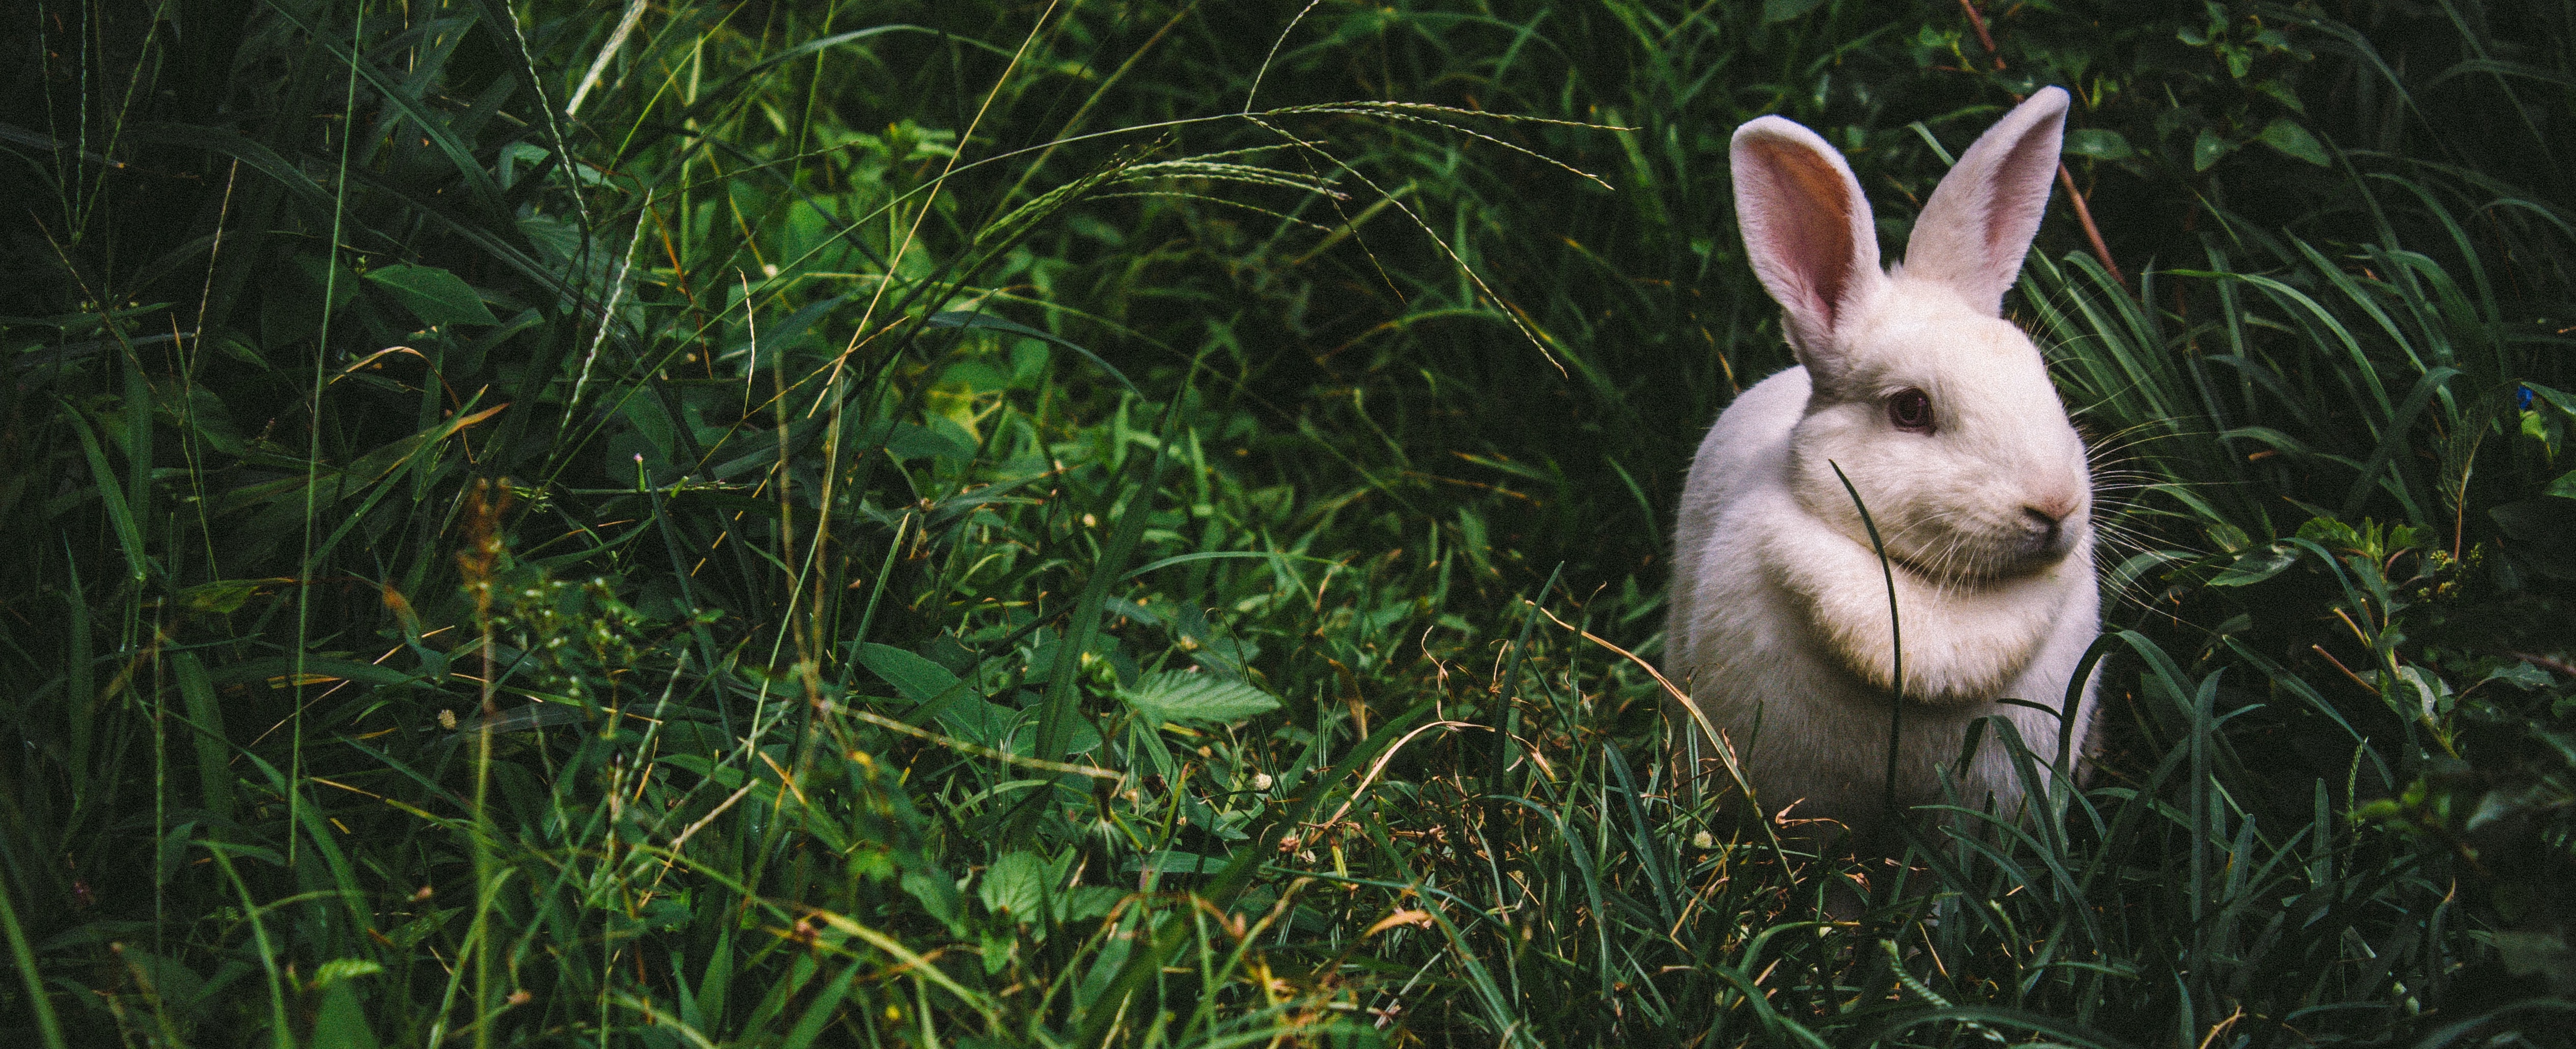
(1143, 522)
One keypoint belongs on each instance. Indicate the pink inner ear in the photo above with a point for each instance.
(1979, 221)
(1806, 226)
(2022, 181)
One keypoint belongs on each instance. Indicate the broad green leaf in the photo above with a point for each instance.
(295, 298)
(1174, 861)
(2527, 952)
(342, 1022)
(2283, 93)
(937, 694)
(917, 678)
(173, 982)
(316, 200)
(2330, 533)
(128, 534)
(206, 716)
(2287, 136)
(409, 934)
(2208, 148)
(278, 670)
(2564, 486)
(385, 459)
(1784, 10)
(2239, 60)
(1015, 885)
(965, 319)
(2542, 530)
(1191, 698)
(190, 408)
(937, 896)
(726, 776)
(2228, 537)
(434, 295)
(925, 442)
(2520, 675)
(2559, 398)
(2500, 68)
(263, 854)
(2255, 566)
(978, 720)
(2098, 143)
(1084, 902)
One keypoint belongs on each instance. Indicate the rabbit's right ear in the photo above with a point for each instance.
(1806, 226)
(1980, 220)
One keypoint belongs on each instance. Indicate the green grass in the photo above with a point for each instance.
(1127, 523)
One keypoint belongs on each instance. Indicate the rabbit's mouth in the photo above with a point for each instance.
(1977, 559)
(1965, 637)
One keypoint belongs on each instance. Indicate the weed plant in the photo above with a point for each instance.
(998, 523)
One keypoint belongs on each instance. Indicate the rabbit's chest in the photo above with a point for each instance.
(1958, 643)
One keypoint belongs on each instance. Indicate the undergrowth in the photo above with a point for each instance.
(1143, 523)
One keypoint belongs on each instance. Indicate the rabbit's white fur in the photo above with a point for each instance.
(1779, 609)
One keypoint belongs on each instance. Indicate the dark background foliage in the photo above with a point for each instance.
(1122, 522)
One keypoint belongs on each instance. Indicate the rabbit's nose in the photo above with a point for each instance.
(2047, 522)
(2051, 511)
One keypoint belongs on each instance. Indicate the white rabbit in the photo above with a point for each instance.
(1942, 415)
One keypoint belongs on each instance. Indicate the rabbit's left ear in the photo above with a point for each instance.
(1978, 225)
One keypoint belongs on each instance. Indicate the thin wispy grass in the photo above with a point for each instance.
(1072, 525)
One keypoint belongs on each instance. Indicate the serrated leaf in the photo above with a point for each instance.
(1191, 698)
(936, 693)
(434, 295)
(2287, 136)
(2523, 676)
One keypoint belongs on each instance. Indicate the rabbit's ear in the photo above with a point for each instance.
(1979, 222)
(1806, 226)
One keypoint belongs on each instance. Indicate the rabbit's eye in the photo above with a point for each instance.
(1910, 409)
